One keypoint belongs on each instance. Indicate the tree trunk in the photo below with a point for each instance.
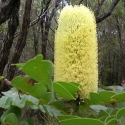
(22, 39)
(12, 27)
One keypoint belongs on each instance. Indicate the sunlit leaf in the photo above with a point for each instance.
(81, 121)
(40, 70)
(62, 91)
(71, 87)
(37, 90)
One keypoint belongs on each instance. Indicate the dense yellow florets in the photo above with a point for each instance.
(76, 49)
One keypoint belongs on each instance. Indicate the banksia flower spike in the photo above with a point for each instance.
(76, 49)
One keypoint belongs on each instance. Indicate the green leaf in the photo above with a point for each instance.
(112, 122)
(18, 102)
(60, 105)
(32, 100)
(40, 70)
(103, 118)
(109, 110)
(46, 97)
(19, 65)
(51, 111)
(120, 97)
(5, 102)
(37, 90)
(92, 116)
(101, 97)
(41, 108)
(109, 118)
(66, 117)
(11, 119)
(23, 123)
(81, 121)
(14, 110)
(120, 104)
(71, 87)
(30, 121)
(83, 107)
(102, 113)
(120, 113)
(106, 96)
(114, 111)
(62, 91)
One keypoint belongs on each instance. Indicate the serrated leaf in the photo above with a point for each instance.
(98, 107)
(81, 121)
(92, 116)
(18, 102)
(102, 113)
(11, 119)
(5, 102)
(62, 91)
(109, 110)
(120, 113)
(103, 118)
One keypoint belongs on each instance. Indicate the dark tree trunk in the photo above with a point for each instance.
(6, 10)
(36, 39)
(12, 27)
(45, 25)
(22, 39)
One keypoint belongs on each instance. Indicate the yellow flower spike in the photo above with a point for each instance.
(76, 58)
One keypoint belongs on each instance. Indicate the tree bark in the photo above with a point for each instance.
(6, 9)
(12, 27)
(22, 39)
(108, 13)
